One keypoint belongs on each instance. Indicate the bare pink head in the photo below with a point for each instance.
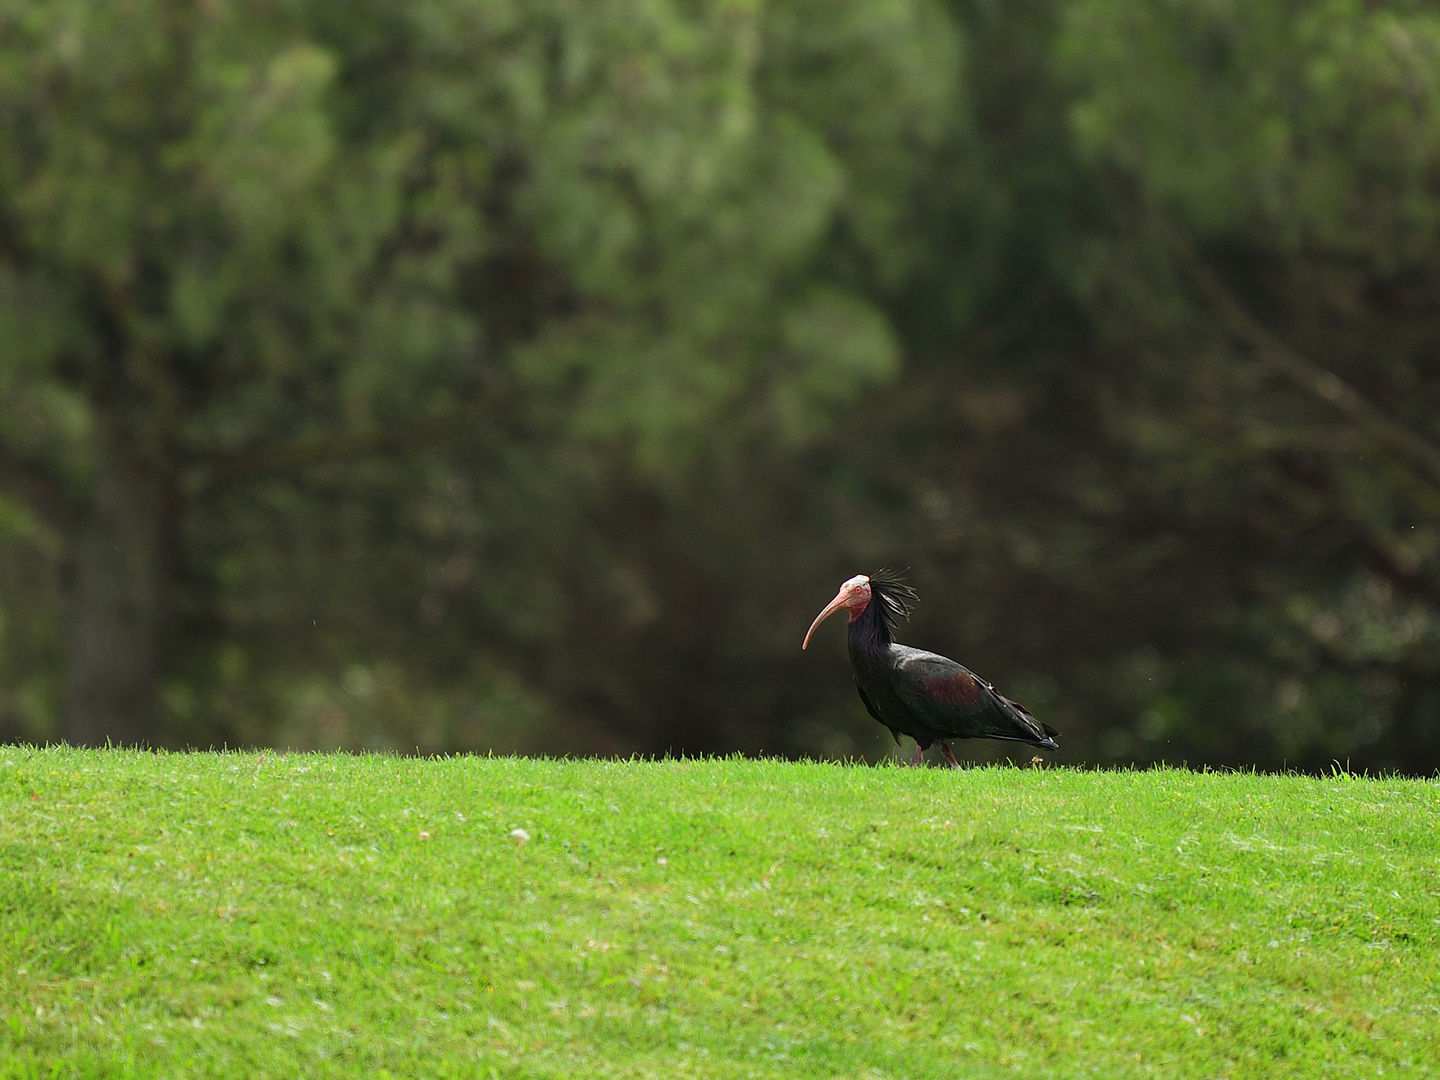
(854, 597)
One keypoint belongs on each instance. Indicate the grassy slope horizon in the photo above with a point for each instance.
(238, 914)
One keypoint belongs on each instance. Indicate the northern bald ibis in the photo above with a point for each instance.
(924, 695)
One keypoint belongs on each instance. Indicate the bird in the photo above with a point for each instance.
(921, 694)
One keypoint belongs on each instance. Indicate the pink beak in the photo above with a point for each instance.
(830, 609)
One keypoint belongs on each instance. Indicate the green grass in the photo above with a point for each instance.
(304, 916)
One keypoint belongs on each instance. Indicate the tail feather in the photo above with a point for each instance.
(1047, 743)
(1024, 719)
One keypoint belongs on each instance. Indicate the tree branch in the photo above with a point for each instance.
(1304, 373)
(1378, 551)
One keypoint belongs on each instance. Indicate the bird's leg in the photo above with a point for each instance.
(949, 755)
(917, 757)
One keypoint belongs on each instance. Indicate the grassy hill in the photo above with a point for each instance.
(252, 914)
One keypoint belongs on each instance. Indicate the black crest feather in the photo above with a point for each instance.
(892, 595)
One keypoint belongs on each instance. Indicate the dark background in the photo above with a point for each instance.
(460, 374)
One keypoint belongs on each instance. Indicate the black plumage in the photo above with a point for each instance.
(921, 694)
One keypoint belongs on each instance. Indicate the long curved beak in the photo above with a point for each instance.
(830, 609)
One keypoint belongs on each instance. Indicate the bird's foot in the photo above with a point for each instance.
(949, 755)
(918, 757)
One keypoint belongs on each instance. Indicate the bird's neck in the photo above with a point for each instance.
(869, 633)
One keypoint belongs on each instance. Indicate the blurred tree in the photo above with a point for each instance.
(1263, 270)
(1149, 474)
(460, 375)
(1175, 413)
(244, 245)
(188, 255)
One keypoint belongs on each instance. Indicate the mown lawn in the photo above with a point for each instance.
(248, 915)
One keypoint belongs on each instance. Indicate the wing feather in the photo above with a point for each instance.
(955, 701)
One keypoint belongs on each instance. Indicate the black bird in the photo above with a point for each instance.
(924, 695)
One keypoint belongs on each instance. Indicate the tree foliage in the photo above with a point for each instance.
(469, 374)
